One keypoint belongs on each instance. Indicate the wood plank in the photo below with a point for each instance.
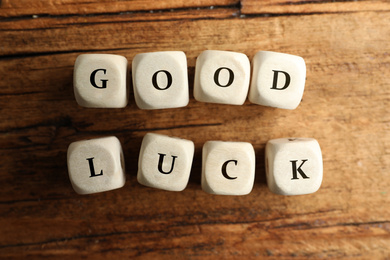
(308, 7)
(200, 240)
(10, 8)
(31, 24)
(75, 32)
(344, 108)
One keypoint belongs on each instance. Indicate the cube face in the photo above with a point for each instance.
(160, 80)
(100, 80)
(222, 77)
(165, 162)
(278, 80)
(228, 168)
(96, 165)
(294, 166)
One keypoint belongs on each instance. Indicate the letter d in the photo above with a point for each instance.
(275, 82)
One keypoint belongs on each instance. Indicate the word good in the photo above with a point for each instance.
(160, 79)
(293, 165)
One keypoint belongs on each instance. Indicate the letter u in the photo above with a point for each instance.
(160, 163)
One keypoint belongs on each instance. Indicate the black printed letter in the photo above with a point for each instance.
(216, 77)
(295, 170)
(160, 163)
(93, 82)
(275, 83)
(92, 168)
(169, 78)
(224, 173)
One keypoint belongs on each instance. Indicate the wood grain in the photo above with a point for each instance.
(280, 7)
(345, 107)
(11, 8)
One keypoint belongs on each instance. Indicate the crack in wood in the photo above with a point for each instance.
(168, 10)
(317, 2)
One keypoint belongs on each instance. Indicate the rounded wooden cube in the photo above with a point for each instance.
(100, 80)
(222, 77)
(165, 162)
(293, 165)
(96, 165)
(228, 168)
(160, 80)
(278, 80)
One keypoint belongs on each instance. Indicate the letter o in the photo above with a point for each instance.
(216, 77)
(154, 79)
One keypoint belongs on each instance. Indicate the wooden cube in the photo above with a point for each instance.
(160, 80)
(222, 77)
(293, 165)
(278, 80)
(165, 162)
(96, 165)
(100, 80)
(228, 168)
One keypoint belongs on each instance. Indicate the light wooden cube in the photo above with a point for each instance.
(278, 80)
(160, 80)
(293, 165)
(222, 77)
(96, 165)
(165, 162)
(100, 80)
(228, 168)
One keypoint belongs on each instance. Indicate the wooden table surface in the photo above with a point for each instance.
(346, 46)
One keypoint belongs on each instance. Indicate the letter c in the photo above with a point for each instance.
(224, 173)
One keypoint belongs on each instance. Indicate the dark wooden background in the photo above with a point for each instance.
(346, 46)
